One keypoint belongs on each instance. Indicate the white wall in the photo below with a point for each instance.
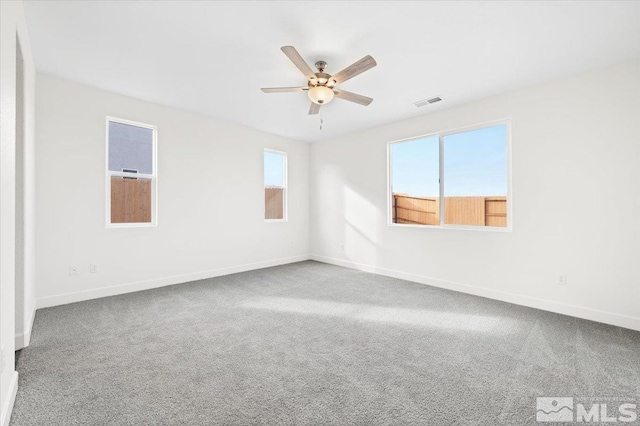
(576, 200)
(13, 26)
(210, 198)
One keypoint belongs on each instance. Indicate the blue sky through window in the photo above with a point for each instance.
(415, 167)
(475, 164)
(273, 169)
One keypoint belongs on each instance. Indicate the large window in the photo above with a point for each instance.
(275, 185)
(452, 179)
(131, 173)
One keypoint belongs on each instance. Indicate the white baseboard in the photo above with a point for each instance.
(20, 338)
(532, 302)
(7, 406)
(23, 339)
(79, 296)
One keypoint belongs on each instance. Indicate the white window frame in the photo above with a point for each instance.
(152, 177)
(285, 189)
(441, 135)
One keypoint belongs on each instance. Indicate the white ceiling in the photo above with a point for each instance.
(213, 57)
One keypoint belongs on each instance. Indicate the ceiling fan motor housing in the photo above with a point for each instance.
(321, 79)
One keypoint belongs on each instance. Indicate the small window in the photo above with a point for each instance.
(131, 173)
(275, 185)
(451, 179)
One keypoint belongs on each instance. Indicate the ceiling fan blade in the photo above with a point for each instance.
(352, 97)
(297, 60)
(352, 70)
(283, 89)
(314, 109)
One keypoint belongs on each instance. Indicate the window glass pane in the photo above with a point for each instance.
(475, 177)
(274, 181)
(130, 200)
(273, 169)
(130, 148)
(414, 181)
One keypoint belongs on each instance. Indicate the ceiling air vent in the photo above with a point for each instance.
(427, 101)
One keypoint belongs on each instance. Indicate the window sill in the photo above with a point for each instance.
(131, 225)
(454, 227)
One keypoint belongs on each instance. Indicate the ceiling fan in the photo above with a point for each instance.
(321, 87)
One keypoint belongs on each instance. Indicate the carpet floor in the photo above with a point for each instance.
(312, 344)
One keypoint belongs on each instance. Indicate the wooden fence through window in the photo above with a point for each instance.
(130, 200)
(273, 202)
(479, 211)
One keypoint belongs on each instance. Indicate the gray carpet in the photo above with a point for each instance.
(312, 344)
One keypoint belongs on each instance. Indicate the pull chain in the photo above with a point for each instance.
(321, 120)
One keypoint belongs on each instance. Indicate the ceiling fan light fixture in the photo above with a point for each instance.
(320, 95)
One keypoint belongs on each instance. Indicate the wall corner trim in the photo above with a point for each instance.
(7, 406)
(605, 317)
(79, 296)
(23, 339)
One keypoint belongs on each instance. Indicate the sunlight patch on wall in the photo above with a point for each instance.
(361, 220)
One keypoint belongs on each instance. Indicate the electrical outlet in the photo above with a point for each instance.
(73, 270)
(93, 268)
(341, 247)
(562, 280)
